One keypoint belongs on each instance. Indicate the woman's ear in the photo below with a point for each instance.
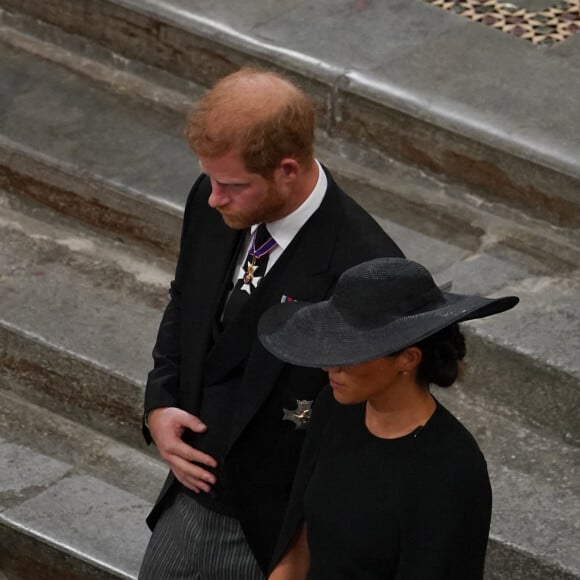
(409, 359)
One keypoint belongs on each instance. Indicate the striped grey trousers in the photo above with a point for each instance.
(191, 542)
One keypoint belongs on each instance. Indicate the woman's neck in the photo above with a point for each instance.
(397, 414)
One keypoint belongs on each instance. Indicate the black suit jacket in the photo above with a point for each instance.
(263, 449)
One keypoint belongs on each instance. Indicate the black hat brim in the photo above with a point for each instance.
(317, 335)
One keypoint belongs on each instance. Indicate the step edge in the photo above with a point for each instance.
(361, 84)
(61, 547)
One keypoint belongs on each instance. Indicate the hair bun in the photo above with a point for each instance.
(442, 353)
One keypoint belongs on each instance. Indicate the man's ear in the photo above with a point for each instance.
(289, 168)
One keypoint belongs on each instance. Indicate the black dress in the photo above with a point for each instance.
(413, 508)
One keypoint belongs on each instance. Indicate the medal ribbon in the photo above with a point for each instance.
(264, 249)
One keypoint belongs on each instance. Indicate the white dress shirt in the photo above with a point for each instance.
(284, 229)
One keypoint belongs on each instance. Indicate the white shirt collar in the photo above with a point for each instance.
(284, 229)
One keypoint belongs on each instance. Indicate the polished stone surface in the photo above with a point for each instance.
(46, 107)
(535, 479)
(73, 492)
(23, 470)
(75, 514)
(39, 447)
(81, 291)
(423, 60)
(448, 94)
(475, 253)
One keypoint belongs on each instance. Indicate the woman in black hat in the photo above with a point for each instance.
(390, 484)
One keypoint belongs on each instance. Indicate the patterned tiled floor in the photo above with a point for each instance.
(545, 27)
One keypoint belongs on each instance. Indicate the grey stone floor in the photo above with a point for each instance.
(425, 61)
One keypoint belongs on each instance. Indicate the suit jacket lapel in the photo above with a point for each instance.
(213, 259)
(300, 272)
(233, 344)
(303, 275)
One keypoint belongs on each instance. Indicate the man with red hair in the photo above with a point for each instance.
(264, 223)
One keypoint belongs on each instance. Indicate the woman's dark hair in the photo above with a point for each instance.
(442, 353)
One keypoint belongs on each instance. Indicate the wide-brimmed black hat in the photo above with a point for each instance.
(378, 308)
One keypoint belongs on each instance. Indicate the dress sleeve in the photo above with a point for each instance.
(295, 511)
(445, 523)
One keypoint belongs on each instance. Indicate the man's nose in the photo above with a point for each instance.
(217, 197)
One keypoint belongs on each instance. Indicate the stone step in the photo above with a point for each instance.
(88, 350)
(104, 179)
(55, 468)
(79, 316)
(482, 250)
(403, 92)
(82, 306)
(72, 501)
(51, 150)
(535, 530)
(97, 381)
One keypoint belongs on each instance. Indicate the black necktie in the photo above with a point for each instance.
(254, 269)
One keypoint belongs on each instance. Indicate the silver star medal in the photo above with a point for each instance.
(299, 416)
(248, 277)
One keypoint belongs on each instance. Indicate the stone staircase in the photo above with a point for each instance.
(93, 177)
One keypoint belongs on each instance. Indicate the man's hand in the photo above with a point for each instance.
(166, 426)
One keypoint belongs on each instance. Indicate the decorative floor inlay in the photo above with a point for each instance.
(546, 27)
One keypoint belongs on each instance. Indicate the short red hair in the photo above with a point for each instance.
(257, 113)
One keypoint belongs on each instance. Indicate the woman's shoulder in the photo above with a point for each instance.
(450, 459)
(447, 436)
